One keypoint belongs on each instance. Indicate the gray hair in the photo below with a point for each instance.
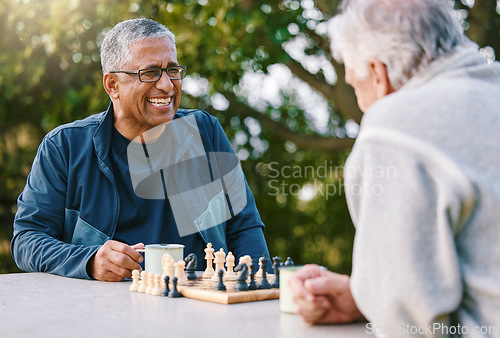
(404, 35)
(115, 46)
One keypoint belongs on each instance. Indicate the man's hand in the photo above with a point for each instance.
(322, 296)
(115, 261)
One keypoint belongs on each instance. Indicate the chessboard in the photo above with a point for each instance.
(179, 279)
(204, 289)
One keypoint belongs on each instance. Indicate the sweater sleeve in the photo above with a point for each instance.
(38, 240)
(408, 201)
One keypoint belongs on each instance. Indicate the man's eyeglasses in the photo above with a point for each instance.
(154, 74)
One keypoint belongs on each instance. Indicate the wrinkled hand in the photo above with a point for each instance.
(115, 261)
(322, 296)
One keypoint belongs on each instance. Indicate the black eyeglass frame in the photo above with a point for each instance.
(140, 72)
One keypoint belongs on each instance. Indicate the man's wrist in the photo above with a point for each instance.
(90, 266)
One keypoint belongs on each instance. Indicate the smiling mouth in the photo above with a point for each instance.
(160, 102)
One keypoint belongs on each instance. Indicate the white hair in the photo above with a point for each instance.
(115, 51)
(405, 35)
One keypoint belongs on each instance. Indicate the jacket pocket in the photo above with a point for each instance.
(83, 233)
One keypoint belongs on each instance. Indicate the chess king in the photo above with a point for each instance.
(99, 188)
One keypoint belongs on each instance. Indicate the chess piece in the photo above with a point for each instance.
(191, 262)
(289, 262)
(167, 288)
(241, 280)
(151, 283)
(259, 273)
(169, 269)
(247, 259)
(167, 265)
(220, 285)
(166, 258)
(209, 256)
(135, 281)
(253, 270)
(143, 283)
(179, 272)
(264, 284)
(162, 282)
(174, 293)
(157, 285)
(219, 263)
(230, 275)
(276, 266)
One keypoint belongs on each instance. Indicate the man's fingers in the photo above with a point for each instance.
(109, 276)
(296, 281)
(138, 246)
(124, 261)
(127, 250)
(329, 283)
(115, 261)
(311, 311)
(120, 271)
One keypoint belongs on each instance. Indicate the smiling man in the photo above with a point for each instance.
(79, 214)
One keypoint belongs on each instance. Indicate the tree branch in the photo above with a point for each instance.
(324, 144)
(341, 95)
(328, 7)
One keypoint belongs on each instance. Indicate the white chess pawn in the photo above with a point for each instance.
(143, 283)
(219, 264)
(135, 281)
(209, 256)
(151, 282)
(157, 288)
(230, 275)
(179, 272)
(170, 270)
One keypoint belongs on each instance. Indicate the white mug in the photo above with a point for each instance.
(154, 253)
(286, 302)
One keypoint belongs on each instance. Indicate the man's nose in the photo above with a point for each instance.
(164, 83)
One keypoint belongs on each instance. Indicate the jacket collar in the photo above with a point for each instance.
(465, 55)
(102, 136)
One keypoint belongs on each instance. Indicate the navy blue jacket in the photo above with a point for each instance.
(70, 204)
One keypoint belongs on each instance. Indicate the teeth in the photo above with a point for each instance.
(160, 102)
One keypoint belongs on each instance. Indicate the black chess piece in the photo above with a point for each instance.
(276, 267)
(174, 293)
(252, 285)
(289, 262)
(220, 285)
(241, 280)
(264, 284)
(167, 288)
(191, 263)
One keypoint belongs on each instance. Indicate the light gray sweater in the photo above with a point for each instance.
(423, 189)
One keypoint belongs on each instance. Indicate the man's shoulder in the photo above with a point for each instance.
(199, 114)
(86, 125)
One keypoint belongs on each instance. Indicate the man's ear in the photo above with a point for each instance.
(381, 81)
(111, 85)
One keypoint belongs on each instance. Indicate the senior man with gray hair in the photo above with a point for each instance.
(143, 172)
(426, 257)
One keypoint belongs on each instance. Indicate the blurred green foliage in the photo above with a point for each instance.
(50, 74)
